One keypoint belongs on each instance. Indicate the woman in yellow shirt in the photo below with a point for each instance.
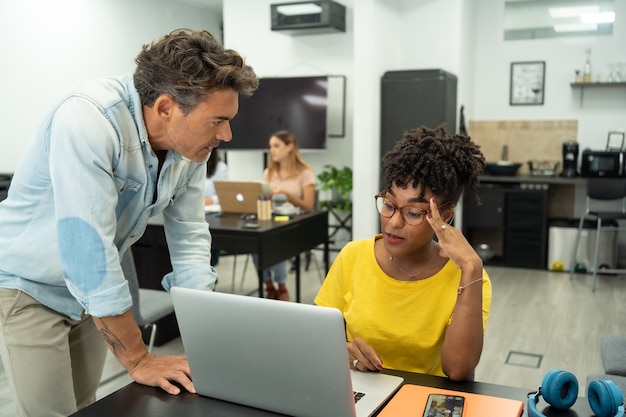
(412, 302)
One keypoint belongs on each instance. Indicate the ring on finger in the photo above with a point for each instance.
(443, 227)
(354, 362)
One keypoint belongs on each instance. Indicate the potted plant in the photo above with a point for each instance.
(339, 183)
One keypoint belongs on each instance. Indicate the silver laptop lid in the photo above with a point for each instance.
(240, 196)
(285, 357)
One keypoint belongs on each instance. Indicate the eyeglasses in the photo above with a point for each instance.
(413, 216)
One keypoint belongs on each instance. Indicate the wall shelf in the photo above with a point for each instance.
(582, 87)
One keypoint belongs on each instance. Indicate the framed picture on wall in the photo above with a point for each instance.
(527, 83)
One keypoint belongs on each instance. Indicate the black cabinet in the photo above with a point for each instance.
(513, 220)
(490, 212)
(414, 98)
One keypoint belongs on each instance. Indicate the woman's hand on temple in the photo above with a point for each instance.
(452, 242)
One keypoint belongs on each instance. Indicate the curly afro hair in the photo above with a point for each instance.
(431, 158)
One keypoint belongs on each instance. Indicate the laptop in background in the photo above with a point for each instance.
(284, 357)
(240, 196)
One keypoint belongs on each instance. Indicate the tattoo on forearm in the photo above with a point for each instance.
(111, 339)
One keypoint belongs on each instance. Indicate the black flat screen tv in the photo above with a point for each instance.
(297, 104)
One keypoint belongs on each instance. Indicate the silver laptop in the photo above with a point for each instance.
(284, 357)
(240, 196)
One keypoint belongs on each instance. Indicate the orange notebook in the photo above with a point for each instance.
(410, 401)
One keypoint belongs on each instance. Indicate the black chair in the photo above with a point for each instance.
(149, 306)
(603, 194)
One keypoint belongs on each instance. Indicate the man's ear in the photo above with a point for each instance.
(164, 105)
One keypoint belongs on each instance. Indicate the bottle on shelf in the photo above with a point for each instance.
(587, 67)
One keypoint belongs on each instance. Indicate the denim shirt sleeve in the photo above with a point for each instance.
(83, 148)
(188, 237)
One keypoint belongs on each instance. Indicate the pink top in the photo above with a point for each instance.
(293, 185)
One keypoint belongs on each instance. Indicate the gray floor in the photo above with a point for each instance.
(539, 320)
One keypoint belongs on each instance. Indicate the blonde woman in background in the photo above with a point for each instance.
(286, 173)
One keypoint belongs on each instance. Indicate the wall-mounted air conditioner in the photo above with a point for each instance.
(310, 17)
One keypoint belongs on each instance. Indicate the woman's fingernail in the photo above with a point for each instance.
(430, 216)
(379, 367)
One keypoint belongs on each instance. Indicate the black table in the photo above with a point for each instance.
(273, 241)
(139, 400)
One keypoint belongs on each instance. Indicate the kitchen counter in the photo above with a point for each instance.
(566, 196)
(515, 213)
(531, 179)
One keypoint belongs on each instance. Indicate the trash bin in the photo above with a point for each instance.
(561, 240)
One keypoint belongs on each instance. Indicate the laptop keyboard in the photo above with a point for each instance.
(357, 395)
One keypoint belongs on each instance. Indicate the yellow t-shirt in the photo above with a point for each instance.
(404, 321)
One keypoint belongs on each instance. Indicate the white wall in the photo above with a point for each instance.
(273, 54)
(381, 35)
(46, 49)
(49, 46)
(374, 50)
(464, 37)
(603, 109)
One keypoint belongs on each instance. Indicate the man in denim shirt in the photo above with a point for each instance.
(109, 156)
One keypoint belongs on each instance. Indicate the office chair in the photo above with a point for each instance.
(602, 193)
(309, 256)
(149, 306)
(243, 274)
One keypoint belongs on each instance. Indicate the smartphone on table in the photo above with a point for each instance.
(440, 405)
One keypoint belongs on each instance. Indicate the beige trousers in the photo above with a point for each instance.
(53, 364)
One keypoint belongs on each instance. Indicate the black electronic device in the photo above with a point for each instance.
(603, 163)
(308, 17)
(444, 405)
(570, 159)
(297, 104)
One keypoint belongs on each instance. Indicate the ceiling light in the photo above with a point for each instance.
(605, 17)
(572, 11)
(575, 27)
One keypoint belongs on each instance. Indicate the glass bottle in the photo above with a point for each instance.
(587, 67)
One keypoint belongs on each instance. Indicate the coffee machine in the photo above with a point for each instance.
(570, 159)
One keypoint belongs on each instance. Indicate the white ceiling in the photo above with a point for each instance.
(214, 6)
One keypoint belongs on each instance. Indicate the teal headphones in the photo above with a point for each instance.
(560, 390)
